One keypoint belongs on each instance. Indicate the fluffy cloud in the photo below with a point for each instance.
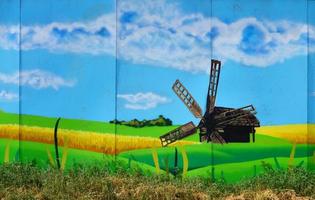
(159, 33)
(94, 37)
(37, 79)
(9, 37)
(8, 96)
(143, 101)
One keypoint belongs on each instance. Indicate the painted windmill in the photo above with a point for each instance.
(217, 124)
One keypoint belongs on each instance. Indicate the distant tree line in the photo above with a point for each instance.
(160, 121)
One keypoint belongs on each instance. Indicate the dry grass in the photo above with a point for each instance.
(138, 193)
(28, 182)
(298, 133)
(267, 195)
(92, 141)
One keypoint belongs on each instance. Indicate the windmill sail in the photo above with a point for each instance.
(213, 84)
(216, 137)
(217, 124)
(186, 97)
(178, 133)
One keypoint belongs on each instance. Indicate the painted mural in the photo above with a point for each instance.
(208, 88)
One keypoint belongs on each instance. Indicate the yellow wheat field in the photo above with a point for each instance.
(92, 141)
(297, 133)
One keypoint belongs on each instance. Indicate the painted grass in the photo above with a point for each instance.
(233, 172)
(89, 126)
(201, 155)
(83, 125)
(92, 141)
(272, 141)
(49, 122)
(299, 133)
(37, 153)
(296, 133)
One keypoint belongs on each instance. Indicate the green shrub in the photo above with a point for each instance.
(160, 121)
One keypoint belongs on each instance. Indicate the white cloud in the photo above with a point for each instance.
(37, 79)
(183, 41)
(94, 37)
(159, 33)
(8, 96)
(9, 37)
(143, 101)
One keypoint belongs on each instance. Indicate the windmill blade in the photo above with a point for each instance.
(215, 137)
(213, 84)
(187, 98)
(232, 116)
(178, 133)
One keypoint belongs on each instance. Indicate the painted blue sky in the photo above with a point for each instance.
(72, 54)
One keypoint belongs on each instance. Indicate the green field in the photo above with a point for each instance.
(231, 161)
(200, 155)
(231, 168)
(233, 172)
(82, 125)
(37, 152)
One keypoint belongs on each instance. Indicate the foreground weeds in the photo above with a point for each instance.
(29, 182)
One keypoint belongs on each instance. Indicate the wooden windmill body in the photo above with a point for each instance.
(217, 124)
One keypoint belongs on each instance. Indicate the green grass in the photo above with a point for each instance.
(239, 156)
(84, 125)
(201, 155)
(233, 172)
(37, 153)
(14, 148)
(49, 122)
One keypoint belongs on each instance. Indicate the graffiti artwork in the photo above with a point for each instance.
(98, 81)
